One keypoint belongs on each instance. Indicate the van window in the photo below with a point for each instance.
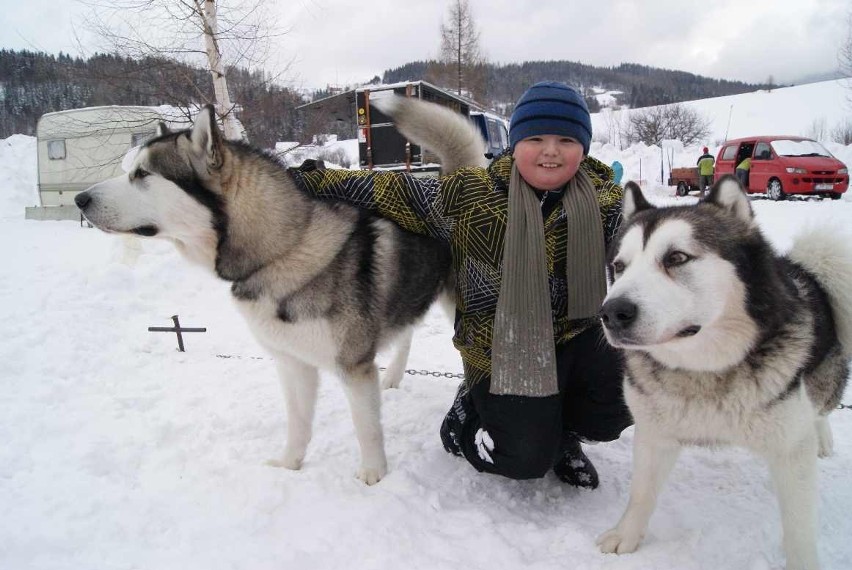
(799, 148)
(56, 150)
(762, 151)
(504, 135)
(137, 139)
(745, 151)
(496, 136)
(729, 153)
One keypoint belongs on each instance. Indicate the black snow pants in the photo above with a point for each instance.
(527, 432)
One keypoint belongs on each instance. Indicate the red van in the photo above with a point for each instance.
(785, 165)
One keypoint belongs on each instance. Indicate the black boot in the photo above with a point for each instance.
(573, 467)
(451, 427)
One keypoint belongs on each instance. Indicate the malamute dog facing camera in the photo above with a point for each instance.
(727, 344)
(322, 285)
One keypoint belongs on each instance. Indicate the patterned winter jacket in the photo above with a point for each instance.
(468, 209)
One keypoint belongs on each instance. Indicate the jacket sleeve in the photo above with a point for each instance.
(610, 195)
(416, 204)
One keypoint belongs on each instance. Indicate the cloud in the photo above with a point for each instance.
(344, 42)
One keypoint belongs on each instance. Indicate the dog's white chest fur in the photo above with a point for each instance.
(310, 341)
(736, 418)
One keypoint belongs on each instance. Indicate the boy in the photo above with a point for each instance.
(528, 237)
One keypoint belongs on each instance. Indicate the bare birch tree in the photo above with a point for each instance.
(460, 47)
(224, 107)
(190, 31)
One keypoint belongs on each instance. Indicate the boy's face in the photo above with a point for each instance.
(547, 162)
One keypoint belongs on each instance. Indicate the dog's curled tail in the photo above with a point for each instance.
(827, 254)
(454, 138)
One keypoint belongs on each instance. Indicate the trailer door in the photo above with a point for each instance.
(379, 143)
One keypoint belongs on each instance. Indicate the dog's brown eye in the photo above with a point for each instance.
(675, 258)
(617, 266)
(140, 173)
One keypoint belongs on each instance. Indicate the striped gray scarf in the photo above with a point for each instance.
(523, 361)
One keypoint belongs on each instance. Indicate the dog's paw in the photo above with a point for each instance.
(619, 541)
(371, 475)
(826, 445)
(391, 381)
(292, 461)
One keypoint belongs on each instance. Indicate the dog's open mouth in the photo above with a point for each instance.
(689, 331)
(147, 231)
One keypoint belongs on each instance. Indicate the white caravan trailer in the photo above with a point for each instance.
(80, 147)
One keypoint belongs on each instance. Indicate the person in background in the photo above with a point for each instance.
(705, 164)
(528, 238)
(742, 171)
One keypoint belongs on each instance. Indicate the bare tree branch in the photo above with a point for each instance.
(219, 34)
(655, 124)
(460, 49)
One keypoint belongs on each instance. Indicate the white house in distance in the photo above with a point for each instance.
(80, 147)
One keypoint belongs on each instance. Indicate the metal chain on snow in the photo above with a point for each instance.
(410, 372)
(844, 407)
(431, 373)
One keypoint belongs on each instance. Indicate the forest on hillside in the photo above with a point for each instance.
(640, 85)
(32, 84)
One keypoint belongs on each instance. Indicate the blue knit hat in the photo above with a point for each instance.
(551, 108)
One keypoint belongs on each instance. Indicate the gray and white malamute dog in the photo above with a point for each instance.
(727, 344)
(322, 285)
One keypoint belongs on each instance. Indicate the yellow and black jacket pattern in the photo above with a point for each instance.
(469, 210)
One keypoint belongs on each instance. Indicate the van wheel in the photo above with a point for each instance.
(682, 189)
(774, 190)
(836, 196)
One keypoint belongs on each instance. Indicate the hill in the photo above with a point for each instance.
(637, 85)
(815, 110)
(32, 84)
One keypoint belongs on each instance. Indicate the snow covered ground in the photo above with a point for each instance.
(119, 452)
(808, 110)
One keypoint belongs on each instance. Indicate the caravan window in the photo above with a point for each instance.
(56, 150)
(137, 139)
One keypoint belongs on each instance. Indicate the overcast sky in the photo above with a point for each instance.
(349, 41)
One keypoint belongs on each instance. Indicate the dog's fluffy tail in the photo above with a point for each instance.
(827, 254)
(454, 138)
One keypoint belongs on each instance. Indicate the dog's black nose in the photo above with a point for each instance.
(618, 314)
(82, 200)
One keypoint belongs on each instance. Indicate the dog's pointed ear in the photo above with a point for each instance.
(634, 201)
(728, 193)
(162, 129)
(206, 138)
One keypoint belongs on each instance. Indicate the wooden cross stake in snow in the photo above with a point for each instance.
(176, 329)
